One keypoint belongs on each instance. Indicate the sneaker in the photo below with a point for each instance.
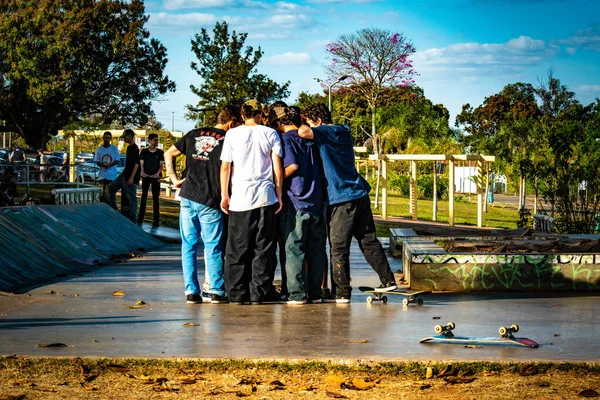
(205, 296)
(342, 300)
(194, 299)
(271, 298)
(296, 302)
(218, 299)
(316, 301)
(386, 287)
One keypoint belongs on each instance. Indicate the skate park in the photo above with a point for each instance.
(102, 252)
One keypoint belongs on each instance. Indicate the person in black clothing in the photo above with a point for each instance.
(151, 162)
(128, 180)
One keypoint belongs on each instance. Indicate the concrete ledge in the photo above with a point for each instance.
(397, 236)
(40, 242)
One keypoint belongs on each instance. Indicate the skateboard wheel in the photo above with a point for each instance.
(451, 325)
(514, 328)
(420, 301)
(502, 330)
(438, 329)
(369, 299)
(384, 299)
(405, 302)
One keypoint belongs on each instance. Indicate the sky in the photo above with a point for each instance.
(467, 50)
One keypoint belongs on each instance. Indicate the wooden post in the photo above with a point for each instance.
(384, 189)
(413, 188)
(435, 190)
(72, 159)
(480, 192)
(450, 192)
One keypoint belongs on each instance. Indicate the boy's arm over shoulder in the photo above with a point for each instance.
(306, 132)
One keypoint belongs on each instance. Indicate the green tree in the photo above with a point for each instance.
(61, 62)
(374, 59)
(228, 72)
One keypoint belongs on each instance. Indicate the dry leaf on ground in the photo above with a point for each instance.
(118, 293)
(429, 373)
(117, 368)
(140, 303)
(55, 345)
(356, 341)
(335, 395)
(135, 307)
(528, 370)
(13, 397)
(448, 371)
(453, 380)
(588, 393)
(361, 384)
(190, 324)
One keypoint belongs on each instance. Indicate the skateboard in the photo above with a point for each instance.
(506, 338)
(411, 297)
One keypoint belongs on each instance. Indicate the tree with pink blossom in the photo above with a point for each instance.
(374, 60)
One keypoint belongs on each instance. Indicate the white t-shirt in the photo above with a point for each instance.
(249, 149)
(107, 155)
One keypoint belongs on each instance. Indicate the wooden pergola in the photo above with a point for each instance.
(482, 162)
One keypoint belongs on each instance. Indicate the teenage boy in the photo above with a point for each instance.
(151, 164)
(251, 162)
(303, 222)
(127, 181)
(107, 159)
(349, 210)
(200, 212)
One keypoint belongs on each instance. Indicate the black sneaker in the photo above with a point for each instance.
(386, 287)
(194, 299)
(217, 299)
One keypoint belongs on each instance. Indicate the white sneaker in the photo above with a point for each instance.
(386, 287)
(342, 300)
(296, 302)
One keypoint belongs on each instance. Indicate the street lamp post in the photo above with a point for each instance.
(338, 80)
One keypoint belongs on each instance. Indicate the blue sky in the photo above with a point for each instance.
(466, 49)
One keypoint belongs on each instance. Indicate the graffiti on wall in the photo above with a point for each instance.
(508, 271)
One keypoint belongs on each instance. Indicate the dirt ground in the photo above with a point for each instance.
(22, 378)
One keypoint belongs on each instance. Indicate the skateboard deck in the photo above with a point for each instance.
(506, 339)
(411, 297)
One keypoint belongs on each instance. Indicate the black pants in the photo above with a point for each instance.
(354, 219)
(146, 183)
(250, 254)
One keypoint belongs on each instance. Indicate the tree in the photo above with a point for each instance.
(228, 72)
(62, 62)
(374, 59)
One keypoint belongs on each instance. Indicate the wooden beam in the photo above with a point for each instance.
(450, 193)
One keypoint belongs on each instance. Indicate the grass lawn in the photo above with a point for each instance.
(464, 213)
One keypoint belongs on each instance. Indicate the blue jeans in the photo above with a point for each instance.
(197, 220)
(304, 236)
(120, 183)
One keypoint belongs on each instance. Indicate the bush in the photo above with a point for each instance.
(425, 186)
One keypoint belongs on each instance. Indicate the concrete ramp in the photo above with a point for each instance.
(40, 242)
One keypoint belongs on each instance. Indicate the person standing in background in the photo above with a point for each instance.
(128, 180)
(151, 163)
(107, 159)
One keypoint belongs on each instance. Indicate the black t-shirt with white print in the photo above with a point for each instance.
(202, 148)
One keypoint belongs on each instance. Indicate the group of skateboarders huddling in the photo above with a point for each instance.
(273, 175)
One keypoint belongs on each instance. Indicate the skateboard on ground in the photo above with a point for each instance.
(411, 297)
(506, 338)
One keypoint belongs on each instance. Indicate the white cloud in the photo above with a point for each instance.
(589, 88)
(342, 1)
(289, 58)
(588, 38)
(186, 4)
(516, 53)
(166, 20)
(571, 50)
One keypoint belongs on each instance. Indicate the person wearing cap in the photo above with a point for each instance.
(106, 158)
(128, 180)
(200, 212)
(349, 207)
(151, 164)
(303, 221)
(251, 168)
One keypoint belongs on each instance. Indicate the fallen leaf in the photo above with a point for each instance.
(489, 373)
(53, 292)
(76, 295)
(190, 324)
(134, 307)
(95, 341)
(448, 371)
(186, 380)
(20, 382)
(335, 395)
(588, 393)
(429, 373)
(13, 397)
(117, 368)
(556, 334)
(423, 387)
(90, 377)
(334, 381)
(361, 384)
(89, 387)
(58, 345)
(357, 341)
(453, 380)
(436, 317)
(118, 293)
(471, 346)
(528, 370)
(140, 303)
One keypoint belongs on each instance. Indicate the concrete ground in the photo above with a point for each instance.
(81, 312)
